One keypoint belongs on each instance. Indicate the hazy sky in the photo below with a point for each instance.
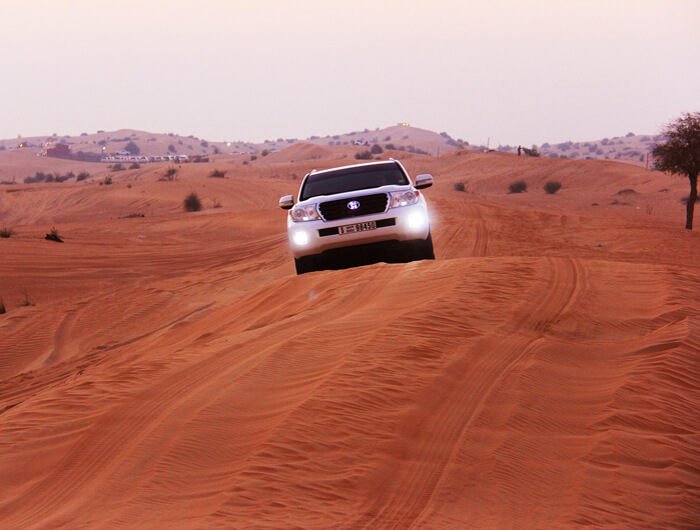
(517, 72)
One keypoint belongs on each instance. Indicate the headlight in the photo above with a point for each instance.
(300, 238)
(417, 221)
(300, 214)
(403, 198)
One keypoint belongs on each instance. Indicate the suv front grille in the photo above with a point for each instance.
(341, 209)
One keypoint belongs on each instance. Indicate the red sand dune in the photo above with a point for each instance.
(543, 372)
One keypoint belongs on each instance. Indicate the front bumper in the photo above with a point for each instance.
(396, 224)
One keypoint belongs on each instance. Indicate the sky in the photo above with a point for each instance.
(503, 71)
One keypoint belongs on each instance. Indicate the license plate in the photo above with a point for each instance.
(358, 227)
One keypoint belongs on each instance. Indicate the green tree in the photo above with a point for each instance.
(132, 148)
(679, 154)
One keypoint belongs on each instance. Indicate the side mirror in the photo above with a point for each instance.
(287, 202)
(424, 181)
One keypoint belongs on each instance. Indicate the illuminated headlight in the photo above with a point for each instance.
(403, 198)
(417, 221)
(301, 238)
(300, 214)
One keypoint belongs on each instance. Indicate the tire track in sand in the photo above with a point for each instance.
(481, 240)
(465, 221)
(429, 438)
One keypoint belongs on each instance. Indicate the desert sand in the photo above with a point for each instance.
(172, 371)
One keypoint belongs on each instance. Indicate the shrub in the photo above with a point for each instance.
(217, 174)
(376, 149)
(6, 232)
(552, 186)
(171, 149)
(253, 157)
(517, 187)
(458, 186)
(192, 203)
(108, 180)
(2, 307)
(364, 155)
(27, 301)
(169, 174)
(82, 176)
(53, 235)
(265, 152)
(531, 152)
(135, 165)
(118, 167)
(390, 146)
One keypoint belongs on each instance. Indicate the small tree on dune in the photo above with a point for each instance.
(679, 154)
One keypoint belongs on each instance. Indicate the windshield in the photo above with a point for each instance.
(352, 179)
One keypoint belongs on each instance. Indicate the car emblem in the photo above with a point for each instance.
(353, 205)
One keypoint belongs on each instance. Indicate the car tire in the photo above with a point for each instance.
(305, 264)
(424, 249)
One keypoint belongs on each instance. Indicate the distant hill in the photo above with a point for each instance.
(631, 148)
(401, 137)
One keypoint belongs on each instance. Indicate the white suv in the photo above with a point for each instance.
(351, 211)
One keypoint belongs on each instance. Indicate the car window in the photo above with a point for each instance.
(352, 179)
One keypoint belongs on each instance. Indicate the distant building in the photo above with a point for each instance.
(58, 150)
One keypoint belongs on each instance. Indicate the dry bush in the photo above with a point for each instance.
(192, 203)
(169, 175)
(552, 186)
(519, 186)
